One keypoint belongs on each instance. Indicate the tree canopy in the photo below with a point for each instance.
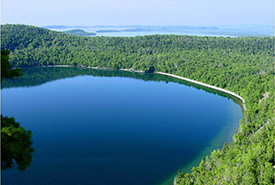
(16, 144)
(244, 65)
(6, 71)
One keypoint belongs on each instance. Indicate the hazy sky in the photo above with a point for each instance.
(137, 12)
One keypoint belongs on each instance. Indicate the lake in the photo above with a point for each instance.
(113, 127)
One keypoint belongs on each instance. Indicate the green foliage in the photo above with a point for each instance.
(16, 144)
(6, 71)
(5, 65)
(242, 65)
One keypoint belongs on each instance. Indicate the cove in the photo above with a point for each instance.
(114, 127)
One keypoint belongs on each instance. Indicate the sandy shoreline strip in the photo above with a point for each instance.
(167, 74)
(206, 85)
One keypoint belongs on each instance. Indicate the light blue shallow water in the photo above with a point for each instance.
(113, 128)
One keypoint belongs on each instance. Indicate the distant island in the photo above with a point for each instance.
(237, 30)
(79, 32)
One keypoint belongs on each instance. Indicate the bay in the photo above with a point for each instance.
(113, 127)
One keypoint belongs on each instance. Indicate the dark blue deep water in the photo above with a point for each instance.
(112, 127)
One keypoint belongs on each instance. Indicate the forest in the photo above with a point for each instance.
(244, 65)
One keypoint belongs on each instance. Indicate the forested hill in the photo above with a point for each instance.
(242, 65)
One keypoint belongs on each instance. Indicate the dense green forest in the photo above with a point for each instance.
(243, 65)
(6, 71)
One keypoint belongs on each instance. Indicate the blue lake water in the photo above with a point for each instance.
(112, 127)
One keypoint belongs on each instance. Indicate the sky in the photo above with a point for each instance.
(137, 12)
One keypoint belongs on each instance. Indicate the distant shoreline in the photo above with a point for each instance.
(161, 73)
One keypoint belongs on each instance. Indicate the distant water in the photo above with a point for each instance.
(143, 33)
(112, 127)
(216, 31)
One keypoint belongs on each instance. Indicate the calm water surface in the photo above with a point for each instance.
(112, 127)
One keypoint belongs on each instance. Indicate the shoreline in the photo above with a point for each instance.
(206, 85)
(161, 73)
(166, 74)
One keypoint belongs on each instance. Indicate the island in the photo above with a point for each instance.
(79, 32)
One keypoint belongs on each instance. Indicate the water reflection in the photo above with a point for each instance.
(84, 127)
(36, 76)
